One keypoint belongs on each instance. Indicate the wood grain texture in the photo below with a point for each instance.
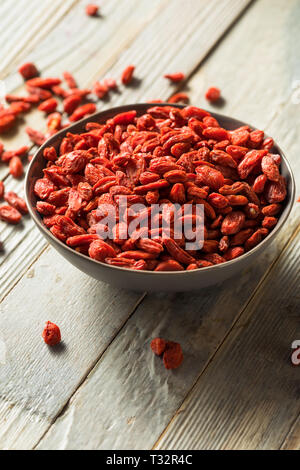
(292, 440)
(74, 45)
(24, 24)
(129, 393)
(248, 397)
(198, 332)
(278, 114)
(134, 414)
(73, 32)
(36, 381)
(18, 409)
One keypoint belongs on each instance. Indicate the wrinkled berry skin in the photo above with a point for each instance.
(51, 334)
(158, 346)
(165, 156)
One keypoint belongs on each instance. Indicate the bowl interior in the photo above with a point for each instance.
(38, 163)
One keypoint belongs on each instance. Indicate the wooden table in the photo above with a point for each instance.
(104, 389)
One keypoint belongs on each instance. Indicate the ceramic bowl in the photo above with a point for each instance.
(147, 280)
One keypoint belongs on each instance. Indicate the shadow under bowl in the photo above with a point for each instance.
(147, 280)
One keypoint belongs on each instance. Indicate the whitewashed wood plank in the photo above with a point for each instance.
(292, 440)
(12, 439)
(129, 394)
(255, 67)
(180, 39)
(23, 24)
(36, 381)
(280, 115)
(248, 398)
(76, 44)
(81, 54)
(143, 396)
(23, 244)
(216, 309)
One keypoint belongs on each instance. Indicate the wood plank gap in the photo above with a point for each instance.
(289, 433)
(90, 370)
(256, 290)
(194, 71)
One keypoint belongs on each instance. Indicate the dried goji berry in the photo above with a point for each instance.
(170, 265)
(16, 167)
(175, 77)
(233, 223)
(234, 252)
(47, 83)
(271, 210)
(15, 201)
(45, 208)
(269, 222)
(51, 334)
(50, 154)
(158, 346)
(127, 74)
(173, 355)
(70, 80)
(100, 89)
(213, 94)
(48, 106)
(82, 111)
(10, 214)
(91, 9)
(28, 70)
(99, 250)
(269, 168)
(71, 103)
(2, 189)
(31, 99)
(35, 136)
(180, 97)
(275, 191)
(6, 122)
(209, 176)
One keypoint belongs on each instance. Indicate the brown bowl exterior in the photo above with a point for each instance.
(147, 280)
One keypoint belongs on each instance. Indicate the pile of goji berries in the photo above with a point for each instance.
(46, 93)
(165, 156)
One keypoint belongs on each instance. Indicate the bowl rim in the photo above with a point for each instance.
(141, 106)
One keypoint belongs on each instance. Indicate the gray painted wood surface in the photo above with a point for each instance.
(103, 388)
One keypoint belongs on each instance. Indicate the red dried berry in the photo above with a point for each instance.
(175, 77)
(51, 334)
(10, 215)
(173, 355)
(91, 9)
(28, 70)
(2, 189)
(213, 94)
(179, 98)
(82, 111)
(70, 80)
(48, 106)
(127, 74)
(158, 346)
(35, 136)
(16, 167)
(39, 82)
(15, 201)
